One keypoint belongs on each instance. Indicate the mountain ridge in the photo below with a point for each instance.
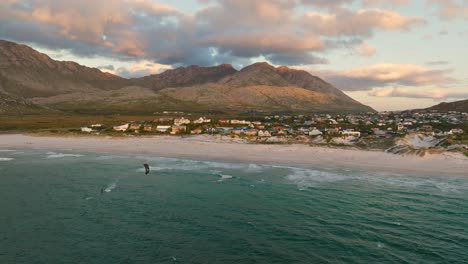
(35, 78)
(459, 106)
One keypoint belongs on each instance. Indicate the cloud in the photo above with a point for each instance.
(285, 31)
(436, 63)
(436, 94)
(346, 22)
(385, 2)
(449, 9)
(366, 50)
(298, 58)
(387, 74)
(139, 69)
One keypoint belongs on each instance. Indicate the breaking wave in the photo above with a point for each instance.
(110, 187)
(6, 159)
(54, 155)
(224, 177)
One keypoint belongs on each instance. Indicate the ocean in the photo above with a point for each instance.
(66, 207)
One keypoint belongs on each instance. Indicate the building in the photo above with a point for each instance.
(178, 129)
(350, 133)
(86, 129)
(121, 128)
(163, 120)
(135, 126)
(148, 127)
(202, 120)
(264, 133)
(181, 121)
(456, 131)
(196, 131)
(163, 129)
(426, 128)
(251, 132)
(315, 132)
(240, 122)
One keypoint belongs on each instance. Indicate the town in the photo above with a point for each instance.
(372, 130)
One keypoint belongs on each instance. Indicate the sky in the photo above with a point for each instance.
(388, 54)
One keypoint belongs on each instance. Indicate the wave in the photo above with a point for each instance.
(152, 168)
(310, 178)
(305, 178)
(110, 187)
(224, 177)
(54, 155)
(7, 150)
(5, 159)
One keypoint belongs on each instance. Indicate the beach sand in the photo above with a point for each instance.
(216, 148)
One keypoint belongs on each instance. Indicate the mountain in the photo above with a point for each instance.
(185, 76)
(32, 79)
(459, 106)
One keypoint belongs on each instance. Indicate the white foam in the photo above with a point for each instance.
(152, 168)
(54, 155)
(111, 187)
(224, 177)
(7, 150)
(310, 178)
(5, 159)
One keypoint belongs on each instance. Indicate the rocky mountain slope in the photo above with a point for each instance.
(35, 79)
(459, 106)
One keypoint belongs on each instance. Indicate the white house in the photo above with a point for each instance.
(121, 128)
(86, 129)
(264, 133)
(163, 129)
(181, 121)
(347, 133)
(315, 132)
(202, 120)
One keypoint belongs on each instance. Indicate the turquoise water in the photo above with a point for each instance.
(53, 211)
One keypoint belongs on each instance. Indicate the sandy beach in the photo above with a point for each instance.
(218, 148)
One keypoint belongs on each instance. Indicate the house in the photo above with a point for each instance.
(163, 129)
(86, 129)
(237, 131)
(240, 122)
(315, 132)
(202, 120)
(197, 131)
(456, 131)
(178, 129)
(251, 132)
(181, 121)
(223, 121)
(401, 127)
(121, 128)
(97, 125)
(163, 120)
(426, 128)
(148, 127)
(348, 133)
(224, 130)
(264, 133)
(135, 126)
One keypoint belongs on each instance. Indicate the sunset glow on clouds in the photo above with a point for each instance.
(364, 47)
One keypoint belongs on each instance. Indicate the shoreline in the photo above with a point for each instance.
(214, 148)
